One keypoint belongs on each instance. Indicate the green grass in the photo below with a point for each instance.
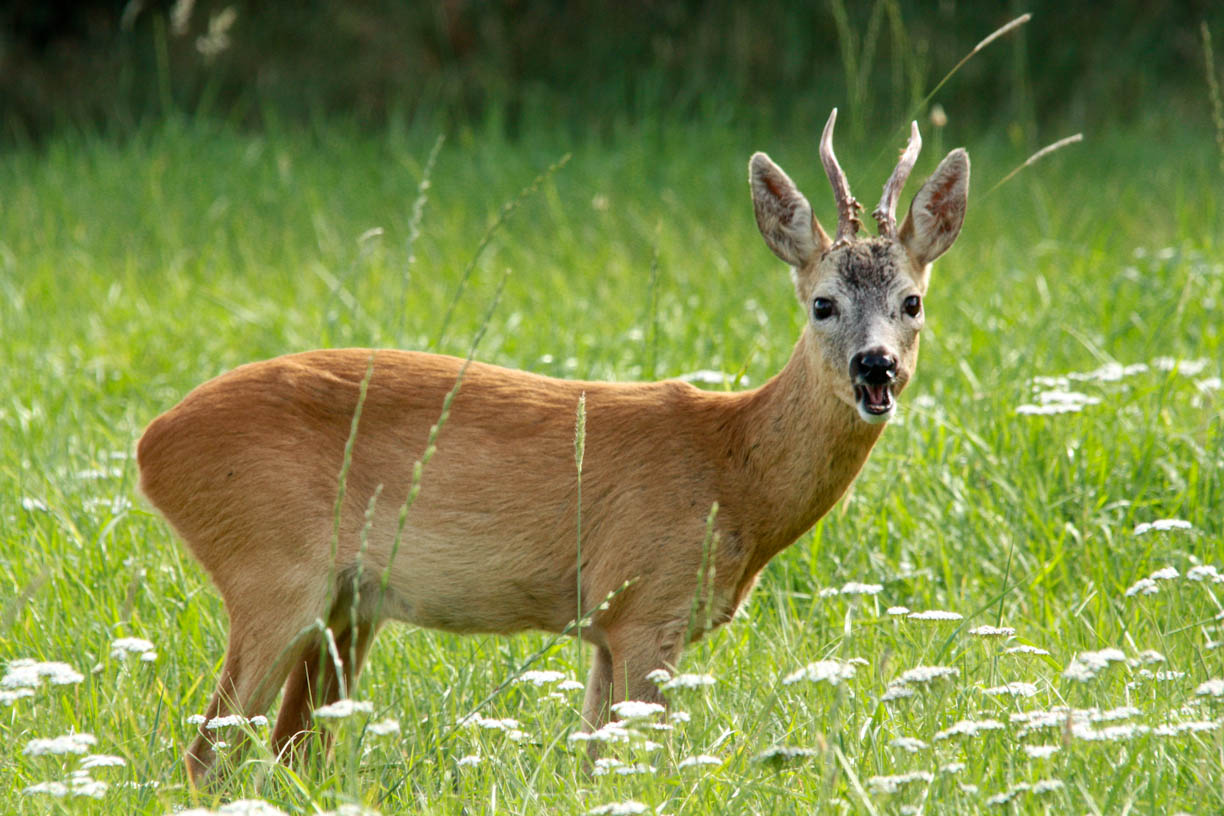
(131, 272)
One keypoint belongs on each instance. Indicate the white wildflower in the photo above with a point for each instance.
(469, 761)
(992, 631)
(658, 676)
(636, 709)
(122, 647)
(148, 657)
(829, 671)
(197, 719)
(1165, 574)
(259, 721)
(699, 759)
(57, 789)
(1046, 785)
(26, 673)
(1205, 572)
(1186, 726)
(1148, 657)
(894, 783)
(967, 728)
(689, 681)
(611, 732)
(626, 808)
(606, 764)
(1144, 586)
(30, 503)
(935, 615)
(680, 716)
(925, 674)
(226, 721)
(517, 735)
(539, 678)
(1024, 648)
(896, 692)
(1187, 368)
(10, 697)
(856, 588)
(953, 768)
(102, 761)
(384, 727)
(897, 611)
(67, 744)
(1016, 689)
(828, 592)
(910, 745)
(1111, 733)
(1041, 751)
(1162, 525)
(569, 685)
(344, 708)
(1086, 665)
(1212, 688)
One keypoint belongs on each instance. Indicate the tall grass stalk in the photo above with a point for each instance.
(579, 451)
(1036, 157)
(414, 232)
(1213, 91)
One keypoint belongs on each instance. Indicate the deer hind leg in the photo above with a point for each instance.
(315, 681)
(264, 641)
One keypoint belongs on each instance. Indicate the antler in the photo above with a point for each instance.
(886, 214)
(848, 223)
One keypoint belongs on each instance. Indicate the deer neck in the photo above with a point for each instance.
(801, 447)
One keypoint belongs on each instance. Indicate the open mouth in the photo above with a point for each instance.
(875, 402)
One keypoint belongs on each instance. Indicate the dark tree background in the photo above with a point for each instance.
(586, 64)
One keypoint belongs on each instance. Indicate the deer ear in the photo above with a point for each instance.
(783, 215)
(938, 211)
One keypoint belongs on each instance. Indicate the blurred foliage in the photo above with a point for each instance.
(587, 64)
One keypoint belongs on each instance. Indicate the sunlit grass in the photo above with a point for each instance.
(1089, 287)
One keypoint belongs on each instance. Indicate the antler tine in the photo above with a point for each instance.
(886, 214)
(848, 223)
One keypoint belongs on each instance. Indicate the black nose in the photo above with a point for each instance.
(873, 367)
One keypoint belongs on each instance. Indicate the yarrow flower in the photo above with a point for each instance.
(569, 685)
(1165, 574)
(699, 759)
(384, 727)
(1086, 665)
(1162, 525)
(909, 744)
(67, 744)
(469, 761)
(1205, 572)
(539, 678)
(1144, 586)
(1041, 751)
(122, 647)
(636, 709)
(921, 675)
(893, 783)
(992, 631)
(344, 708)
(1212, 688)
(25, 673)
(828, 671)
(1024, 648)
(967, 728)
(896, 611)
(856, 588)
(102, 761)
(689, 681)
(658, 676)
(935, 615)
(783, 754)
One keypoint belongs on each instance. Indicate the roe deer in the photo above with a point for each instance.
(245, 469)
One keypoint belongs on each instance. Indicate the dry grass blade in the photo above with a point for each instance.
(1036, 157)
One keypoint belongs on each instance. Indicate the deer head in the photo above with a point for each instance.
(863, 297)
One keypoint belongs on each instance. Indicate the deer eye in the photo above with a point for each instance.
(822, 308)
(912, 305)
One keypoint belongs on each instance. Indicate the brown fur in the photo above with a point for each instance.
(246, 470)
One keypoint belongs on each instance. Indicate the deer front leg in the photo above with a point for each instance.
(636, 652)
(598, 690)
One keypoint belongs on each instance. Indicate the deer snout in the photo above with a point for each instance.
(875, 367)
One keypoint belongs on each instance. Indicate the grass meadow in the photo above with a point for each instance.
(1056, 472)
